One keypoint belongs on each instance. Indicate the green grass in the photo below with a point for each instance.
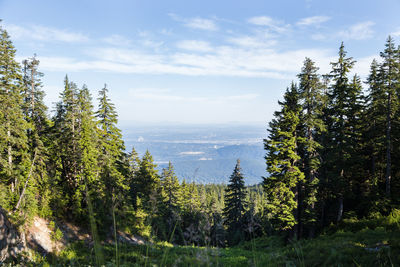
(367, 247)
(373, 241)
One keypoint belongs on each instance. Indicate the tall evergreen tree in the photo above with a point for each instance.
(147, 180)
(341, 100)
(375, 139)
(312, 99)
(65, 149)
(171, 187)
(235, 206)
(35, 114)
(282, 159)
(14, 159)
(89, 184)
(113, 168)
(390, 85)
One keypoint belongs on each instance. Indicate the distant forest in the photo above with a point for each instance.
(331, 154)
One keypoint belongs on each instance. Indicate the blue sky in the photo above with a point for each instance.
(193, 61)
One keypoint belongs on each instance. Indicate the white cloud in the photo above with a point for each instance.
(191, 153)
(117, 40)
(162, 94)
(363, 65)
(273, 24)
(243, 97)
(167, 95)
(196, 23)
(41, 33)
(315, 20)
(202, 24)
(194, 45)
(166, 32)
(396, 33)
(251, 41)
(318, 36)
(151, 43)
(224, 61)
(359, 31)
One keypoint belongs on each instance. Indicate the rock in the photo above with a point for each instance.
(130, 239)
(39, 236)
(11, 243)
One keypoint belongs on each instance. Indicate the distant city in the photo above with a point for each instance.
(203, 153)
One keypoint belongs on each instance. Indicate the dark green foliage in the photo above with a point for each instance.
(312, 99)
(66, 158)
(114, 169)
(344, 146)
(344, 108)
(147, 180)
(235, 206)
(14, 156)
(281, 187)
(38, 128)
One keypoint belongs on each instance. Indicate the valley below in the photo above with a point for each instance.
(202, 153)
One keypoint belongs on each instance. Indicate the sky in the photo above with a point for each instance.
(193, 62)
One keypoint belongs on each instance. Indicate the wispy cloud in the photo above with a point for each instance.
(363, 66)
(248, 55)
(162, 94)
(194, 45)
(47, 34)
(196, 22)
(243, 97)
(117, 40)
(318, 36)
(315, 20)
(396, 33)
(223, 61)
(202, 24)
(359, 31)
(273, 24)
(251, 41)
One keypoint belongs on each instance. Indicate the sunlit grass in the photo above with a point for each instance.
(363, 248)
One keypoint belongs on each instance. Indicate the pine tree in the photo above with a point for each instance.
(312, 99)
(113, 168)
(235, 206)
(375, 139)
(147, 180)
(65, 158)
(281, 187)
(390, 85)
(38, 127)
(171, 187)
(89, 183)
(14, 159)
(134, 162)
(340, 101)
(134, 165)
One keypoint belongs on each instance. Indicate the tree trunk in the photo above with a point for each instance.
(296, 213)
(388, 146)
(115, 234)
(9, 153)
(32, 91)
(340, 210)
(26, 183)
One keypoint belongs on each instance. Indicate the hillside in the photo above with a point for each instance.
(357, 243)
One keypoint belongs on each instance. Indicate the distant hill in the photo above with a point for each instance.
(205, 154)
